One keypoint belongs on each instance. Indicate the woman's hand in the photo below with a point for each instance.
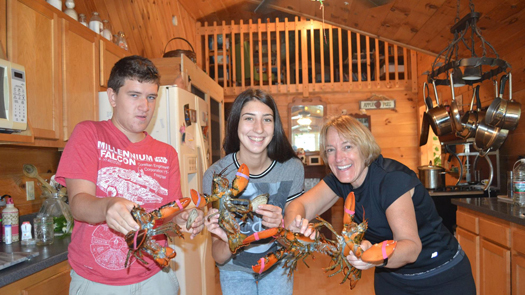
(212, 224)
(272, 216)
(357, 262)
(302, 226)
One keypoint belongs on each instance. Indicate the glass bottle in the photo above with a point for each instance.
(70, 4)
(56, 3)
(95, 23)
(122, 40)
(518, 182)
(82, 19)
(106, 32)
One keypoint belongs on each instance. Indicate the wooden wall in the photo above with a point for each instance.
(394, 130)
(147, 24)
(13, 180)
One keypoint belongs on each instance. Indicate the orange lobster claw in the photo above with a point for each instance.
(241, 180)
(169, 210)
(265, 263)
(261, 235)
(169, 254)
(198, 200)
(349, 208)
(380, 251)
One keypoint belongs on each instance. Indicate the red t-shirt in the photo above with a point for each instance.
(146, 172)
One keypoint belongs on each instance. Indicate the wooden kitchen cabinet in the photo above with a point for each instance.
(110, 53)
(34, 33)
(518, 260)
(488, 243)
(80, 76)
(50, 281)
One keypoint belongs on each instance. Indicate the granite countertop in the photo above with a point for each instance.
(47, 256)
(497, 207)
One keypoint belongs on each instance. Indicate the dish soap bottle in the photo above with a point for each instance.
(10, 217)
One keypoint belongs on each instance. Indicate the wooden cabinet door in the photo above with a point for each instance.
(55, 285)
(109, 55)
(495, 269)
(34, 42)
(80, 75)
(470, 244)
(518, 274)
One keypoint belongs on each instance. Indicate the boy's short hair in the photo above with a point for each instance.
(133, 67)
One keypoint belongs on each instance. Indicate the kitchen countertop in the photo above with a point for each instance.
(48, 256)
(497, 207)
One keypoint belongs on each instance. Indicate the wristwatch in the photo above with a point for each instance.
(385, 262)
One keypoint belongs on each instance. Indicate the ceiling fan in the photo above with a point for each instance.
(304, 119)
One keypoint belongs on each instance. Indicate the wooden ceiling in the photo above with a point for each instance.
(419, 24)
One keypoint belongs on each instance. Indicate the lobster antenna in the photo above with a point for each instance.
(224, 169)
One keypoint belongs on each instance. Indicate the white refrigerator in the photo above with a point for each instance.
(182, 120)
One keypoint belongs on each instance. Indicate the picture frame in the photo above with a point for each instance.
(315, 160)
(364, 119)
(193, 116)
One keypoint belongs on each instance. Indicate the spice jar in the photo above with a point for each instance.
(82, 19)
(44, 229)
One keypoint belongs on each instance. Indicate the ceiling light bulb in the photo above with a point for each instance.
(304, 121)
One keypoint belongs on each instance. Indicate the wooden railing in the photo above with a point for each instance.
(272, 56)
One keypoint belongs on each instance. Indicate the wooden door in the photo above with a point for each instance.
(109, 55)
(34, 34)
(80, 75)
(470, 244)
(495, 269)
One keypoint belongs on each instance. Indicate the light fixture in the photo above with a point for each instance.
(304, 121)
(451, 59)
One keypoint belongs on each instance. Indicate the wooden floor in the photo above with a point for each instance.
(314, 280)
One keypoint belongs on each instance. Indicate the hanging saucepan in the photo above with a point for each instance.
(512, 110)
(470, 118)
(440, 122)
(454, 109)
(489, 138)
(496, 110)
(425, 124)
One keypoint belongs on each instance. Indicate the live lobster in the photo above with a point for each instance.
(140, 241)
(229, 204)
(296, 246)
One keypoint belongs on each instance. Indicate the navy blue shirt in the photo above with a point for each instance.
(385, 182)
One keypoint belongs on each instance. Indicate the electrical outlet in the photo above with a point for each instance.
(30, 190)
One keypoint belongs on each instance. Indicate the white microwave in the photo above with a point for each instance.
(13, 97)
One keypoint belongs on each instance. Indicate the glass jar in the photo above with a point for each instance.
(95, 23)
(55, 206)
(82, 19)
(44, 229)
(121, 40)
(106, 32)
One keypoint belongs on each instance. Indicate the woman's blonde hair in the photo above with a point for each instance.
(352, 130)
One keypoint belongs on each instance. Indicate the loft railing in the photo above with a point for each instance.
(300, 56)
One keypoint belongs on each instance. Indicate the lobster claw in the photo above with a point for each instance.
(241, 180)
(169, 210)
(379, 252)
(260, 235)
(198, 200)
(266, 263)
(349, 209)
(165, 255)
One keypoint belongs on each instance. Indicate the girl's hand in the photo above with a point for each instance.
(272, 216)
(212, 224)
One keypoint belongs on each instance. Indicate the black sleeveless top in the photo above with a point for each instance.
(385, 182)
